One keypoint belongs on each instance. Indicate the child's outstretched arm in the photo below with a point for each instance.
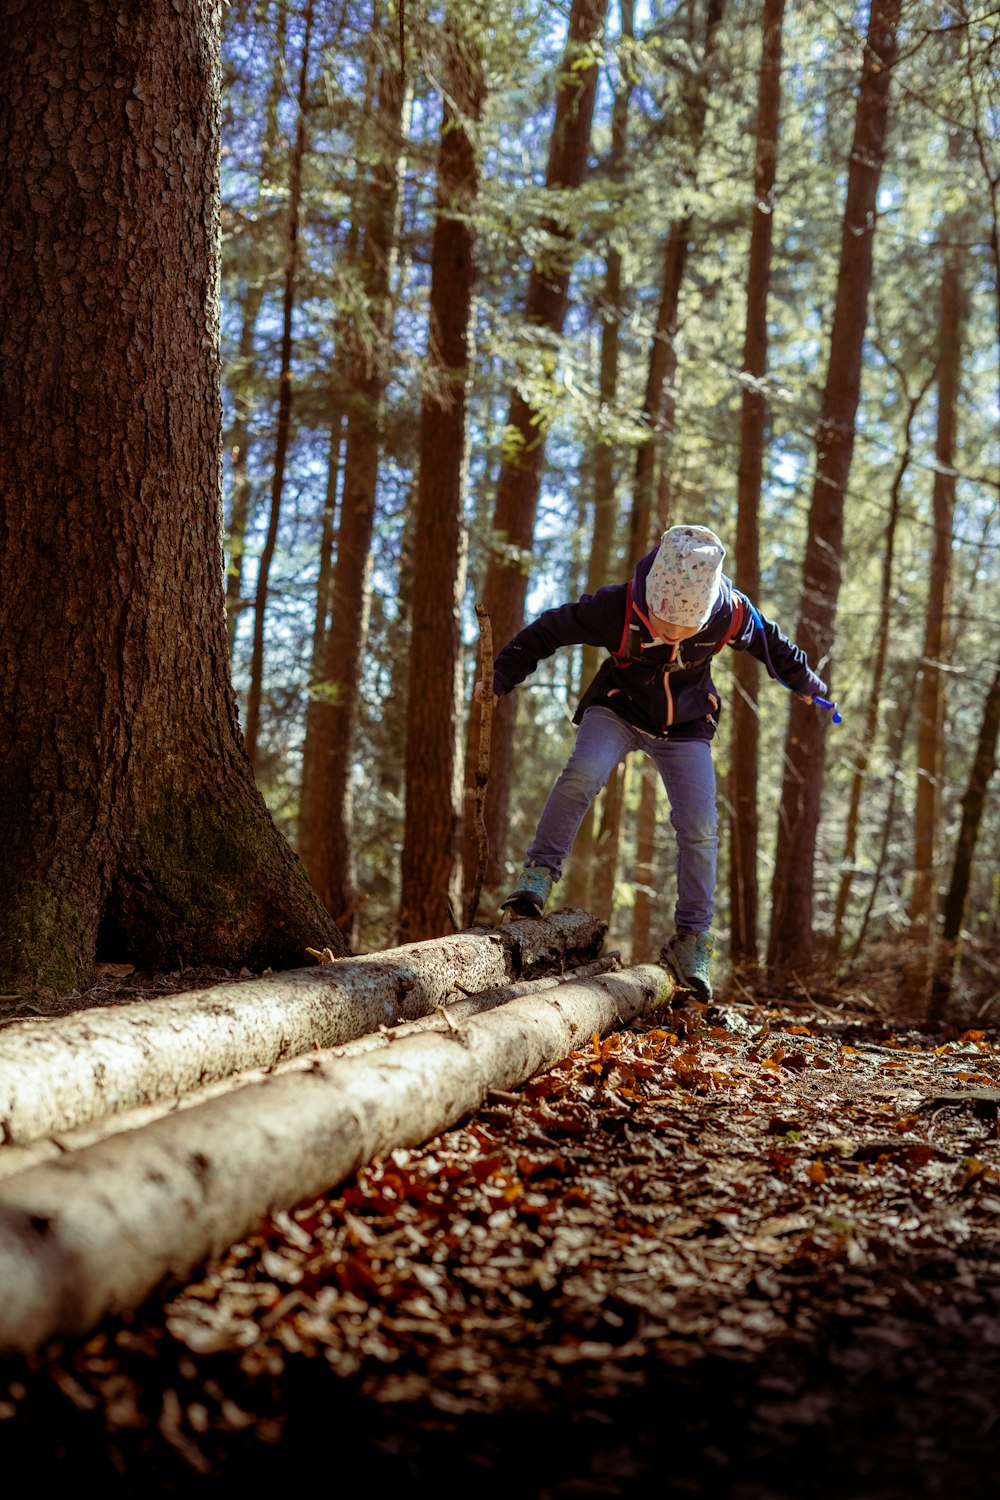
(785, 661)
(594, 620)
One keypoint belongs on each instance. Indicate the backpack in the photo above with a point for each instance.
(629, 647)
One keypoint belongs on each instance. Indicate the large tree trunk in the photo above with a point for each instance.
(791, 939)
(519, 482)
(131, 823)
(744, 735)
(96, 1232)
(283, 431)
(331, 838)
(430, 900)
(58, 1074)
(948, 949)
(930, 720)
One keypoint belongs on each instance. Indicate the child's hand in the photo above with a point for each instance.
(478, 694)
(806, 697)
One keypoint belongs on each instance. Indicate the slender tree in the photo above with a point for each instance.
(131, 826)
(311, 793)
(581, 864)
(331, 861)
(518, 485)
(651, 499)
(984, 761)
(431, 875)
(894, 754)
(284, 427)
(743, 892)
(870, 727)
(237, 439)
(791, 938)
(930, 717)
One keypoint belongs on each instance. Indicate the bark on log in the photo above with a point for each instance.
(55, 1075)
(96, 1232)
(20, 1158)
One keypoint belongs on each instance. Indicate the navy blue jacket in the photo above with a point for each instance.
(665, 690)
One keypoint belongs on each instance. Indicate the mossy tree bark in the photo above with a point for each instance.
(131, 825)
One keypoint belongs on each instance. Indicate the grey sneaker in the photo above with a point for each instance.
(688, 956)
(529, 896)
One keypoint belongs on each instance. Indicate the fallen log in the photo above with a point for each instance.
(97, 1231)
(55, 1075)
(19, 1158)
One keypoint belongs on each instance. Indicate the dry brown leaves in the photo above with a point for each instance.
(708, 1186)
(666, 1187)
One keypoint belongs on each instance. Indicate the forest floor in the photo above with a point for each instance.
(749, 1251)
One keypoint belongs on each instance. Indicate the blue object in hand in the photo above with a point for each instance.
(825, 703)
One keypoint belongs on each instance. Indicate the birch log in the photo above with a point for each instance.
(97, 1231)
(55, 1075)
(19, 1158)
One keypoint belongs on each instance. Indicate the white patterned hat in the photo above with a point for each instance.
(685, 578)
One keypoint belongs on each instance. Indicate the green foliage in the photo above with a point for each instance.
(671, 172)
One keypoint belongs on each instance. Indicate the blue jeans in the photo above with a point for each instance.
(688, 773)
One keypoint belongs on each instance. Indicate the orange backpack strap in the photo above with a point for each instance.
(735, 622)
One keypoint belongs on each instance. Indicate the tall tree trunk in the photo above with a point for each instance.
(659, 401)
(431, 874)
(744, 735)
(791, 939)
(283, 432)
(869, 730)
(930, 719)
(650, 517)
(311, 790)
(581, 865)
(309, 827)
(237, 439)
(131, 826)
(973, 803)
(521, 468)
(331, 863)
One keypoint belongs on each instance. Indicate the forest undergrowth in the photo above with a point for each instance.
(749, 1251)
